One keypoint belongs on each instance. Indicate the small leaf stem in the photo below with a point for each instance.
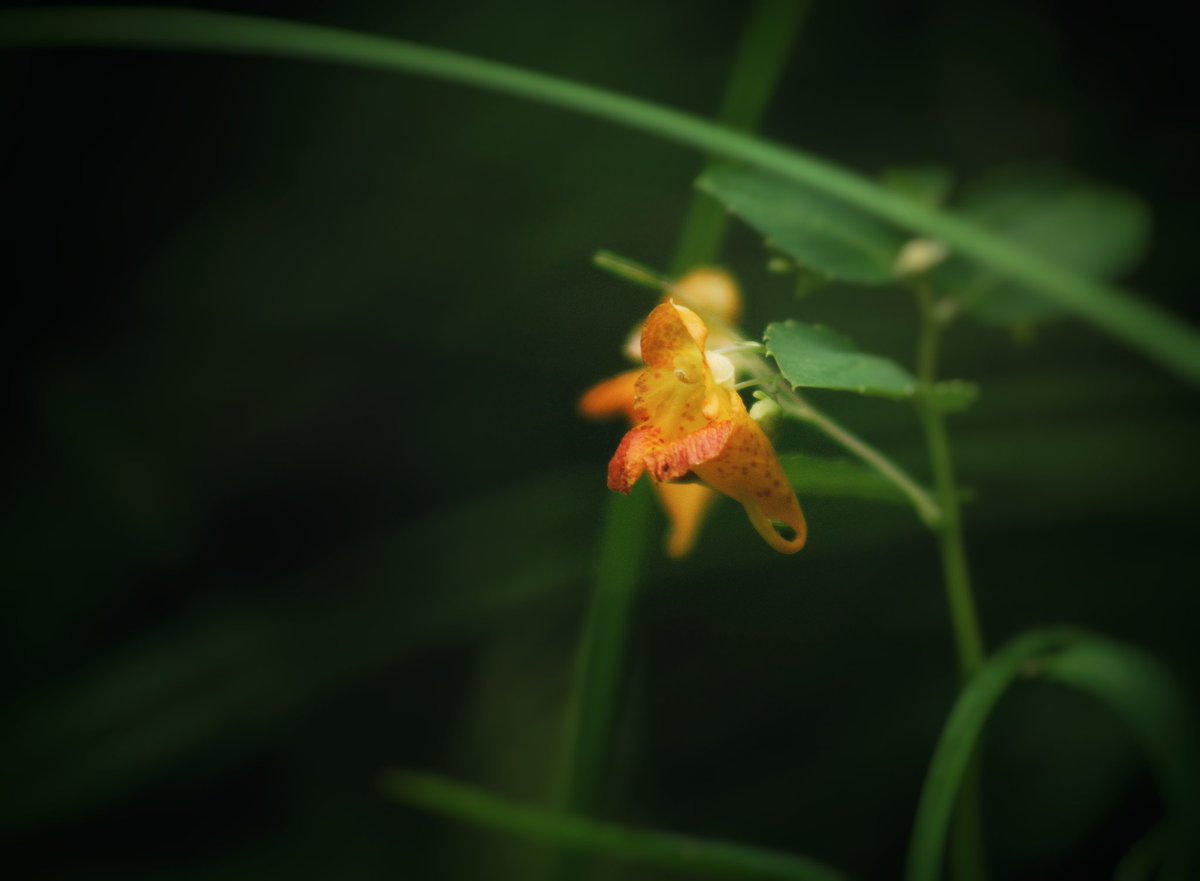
(631, 271)
(746, 355)
(798, 408)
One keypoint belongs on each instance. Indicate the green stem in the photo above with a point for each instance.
(600, 671)
(798, 408)
(968, 639)
(1136, 322)
(795, 406)
(631, 271)
(592, 707)
(966, 855)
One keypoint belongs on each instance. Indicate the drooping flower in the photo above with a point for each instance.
(711, 293)
(689, 420)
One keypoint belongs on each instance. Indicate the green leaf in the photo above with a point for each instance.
(822, 234)
(1130, 682)
(927, 184)
(1097, 231)
(811, 356)
(839, 478)
(953, 752)
(657, 850)
(1142, 326)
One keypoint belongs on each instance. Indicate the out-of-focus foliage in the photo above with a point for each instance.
(1132, 684)
(1097, 230)
(297, 492)
(951, 395)
(1100, 231)
(927, 184)
(613, 843)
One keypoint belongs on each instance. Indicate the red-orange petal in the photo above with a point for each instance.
(645, 449)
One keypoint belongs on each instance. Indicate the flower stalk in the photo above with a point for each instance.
(968, 637)
(966, 851)
(798, 408)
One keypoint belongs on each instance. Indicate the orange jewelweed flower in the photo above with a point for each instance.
(686, 504)
(710, 292)
(689, 419)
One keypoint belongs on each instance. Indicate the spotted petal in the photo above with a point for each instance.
(748, 470)
(644, 449)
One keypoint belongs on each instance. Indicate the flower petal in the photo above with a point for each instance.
(711, 292)
(676, 392)
(614, 396)
(686, 505)
(671, 333)
(644, 448)
(748, 470)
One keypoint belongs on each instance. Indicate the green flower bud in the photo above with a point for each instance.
(766, 413)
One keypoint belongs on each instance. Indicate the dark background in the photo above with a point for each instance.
(296, 491)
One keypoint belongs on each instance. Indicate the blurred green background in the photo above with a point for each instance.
(296, 490)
